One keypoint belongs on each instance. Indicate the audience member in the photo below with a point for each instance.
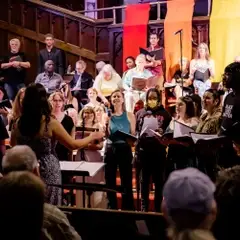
(55, 222)
(189, 205)
(49, 78)
(227, 196)
(51, 53)
(21, 206)
(14, 69)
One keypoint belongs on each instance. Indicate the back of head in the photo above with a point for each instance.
(35, 106)
(188, 201)
(227, 196)
(21, 206)
(19, 158)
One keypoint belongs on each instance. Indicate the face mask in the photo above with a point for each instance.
(152, 103)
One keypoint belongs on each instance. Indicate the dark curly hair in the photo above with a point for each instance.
(35, 105)
(231, 76)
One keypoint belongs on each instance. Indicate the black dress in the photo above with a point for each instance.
(61, 151)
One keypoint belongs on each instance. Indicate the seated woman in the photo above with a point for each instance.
(106, 82)
(210, 120)
(130, 63)
(92, 94)
(91, 153)
(131, 95)
(202, 68)
(69, 100)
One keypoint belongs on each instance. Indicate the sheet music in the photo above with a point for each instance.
(156, 133)
(69, 166)
(150, 123)
(91, 167)
(199, 136)
(181, 130)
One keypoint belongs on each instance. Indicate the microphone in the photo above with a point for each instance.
(179, 31)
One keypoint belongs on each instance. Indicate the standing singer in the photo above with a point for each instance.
(118, 152)
(150, 153)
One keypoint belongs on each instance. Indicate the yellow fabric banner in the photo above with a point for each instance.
(224, 34)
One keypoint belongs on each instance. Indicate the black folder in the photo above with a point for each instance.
(157, 53)
(125, 136)
(5, 104)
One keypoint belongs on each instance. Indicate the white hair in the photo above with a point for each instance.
(16, 40)
(100, 65)
(141, 56)
(19, 158)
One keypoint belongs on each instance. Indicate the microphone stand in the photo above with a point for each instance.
(181, 56)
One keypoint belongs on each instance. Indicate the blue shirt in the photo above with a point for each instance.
(119, 123)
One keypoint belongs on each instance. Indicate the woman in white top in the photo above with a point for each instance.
(202, 68)
(106, 82)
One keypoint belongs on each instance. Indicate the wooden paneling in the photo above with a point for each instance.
(30, 16)
(4, 11)
(80, 37)
(16, 14)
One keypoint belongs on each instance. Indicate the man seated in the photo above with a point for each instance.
(132, 95)
(49, 79)
(81, 81)
(55, 223)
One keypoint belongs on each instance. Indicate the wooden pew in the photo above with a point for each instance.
(94, 224)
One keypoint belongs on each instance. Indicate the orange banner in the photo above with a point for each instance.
(179, 16)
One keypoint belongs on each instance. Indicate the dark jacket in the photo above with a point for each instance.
(86, 82)
(56, 55)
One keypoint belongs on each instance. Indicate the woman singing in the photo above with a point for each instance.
(118, 152)
(202, 69)
(39, 130)
(151, 154)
